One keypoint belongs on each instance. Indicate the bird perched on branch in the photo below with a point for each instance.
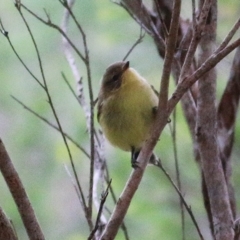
(126, 108)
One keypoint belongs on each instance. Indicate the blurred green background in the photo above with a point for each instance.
(38, 151)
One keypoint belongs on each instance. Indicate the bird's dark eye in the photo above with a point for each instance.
(115, 77)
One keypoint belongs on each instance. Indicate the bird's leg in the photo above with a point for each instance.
(134, 156)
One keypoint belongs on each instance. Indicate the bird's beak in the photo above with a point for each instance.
(125, 66)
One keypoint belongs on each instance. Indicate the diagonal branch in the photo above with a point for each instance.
(162, 117)
(20, 196)
(227, 113)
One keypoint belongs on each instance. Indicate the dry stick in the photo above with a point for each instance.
(99, 171)
(5, 33)
(72, 63)
(6, 228)
(18, 6)
(103, 200)
(90, 90)
(87, 210)
(189, 210)
(56, 27)
(20, 196)
(74, 185)
(52, 125)
(142, 16)
(136, 176)
(229, 37)
(138, 41)
(197, 32)
(179, 185)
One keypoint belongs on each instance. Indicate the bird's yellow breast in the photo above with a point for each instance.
(127, 114)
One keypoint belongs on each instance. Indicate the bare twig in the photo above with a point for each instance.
(197, 32)
(5, 33)
(19, 6)
(49, 23)
(143, 17)
(189, 210)
(98, 220)
(20, 196)
(211, 62)
(179, 185)
(229, 36)
(78, 191)
(138, 41)
(52, 125)
(86, 61)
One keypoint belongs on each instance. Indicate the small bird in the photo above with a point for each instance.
(126, 108)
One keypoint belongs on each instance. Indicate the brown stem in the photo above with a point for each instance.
(20, 196)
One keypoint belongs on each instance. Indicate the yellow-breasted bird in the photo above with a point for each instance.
(126, 108)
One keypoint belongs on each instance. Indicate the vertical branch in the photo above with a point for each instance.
(89, 114)
(86, 61)
(206, 132)
(176, 160)
(20, 196)
(227, 113)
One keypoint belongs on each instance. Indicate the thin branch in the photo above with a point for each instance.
(49, 23)
(98, 220)
(5, 33)
(86, 61)
(229, 37)
(20, 196)
(179, 185)
(138, 41)
(169, 56)
(211, 62)
(52, 125)
(143, 17)
(52, 107)
(197, 33)
(78, 191)
(189, 210)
